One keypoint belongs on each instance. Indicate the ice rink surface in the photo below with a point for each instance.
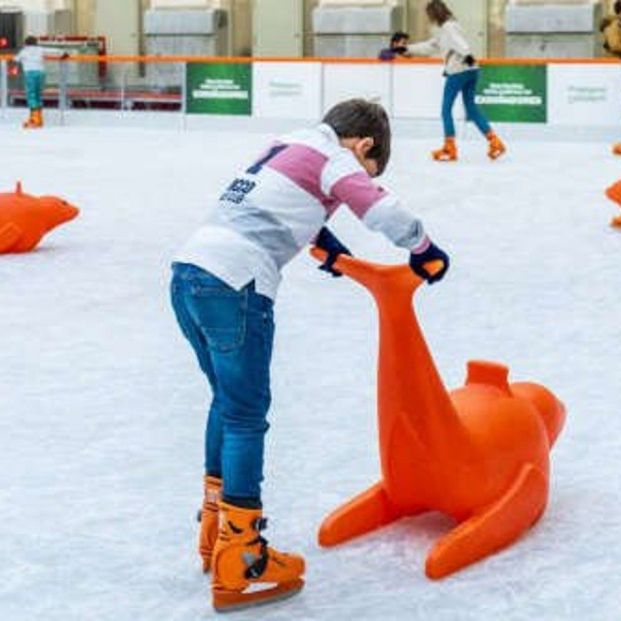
(102, 405)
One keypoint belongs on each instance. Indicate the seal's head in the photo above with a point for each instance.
(57, 211)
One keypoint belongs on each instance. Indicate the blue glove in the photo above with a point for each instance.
(431, 253)
(327, 241)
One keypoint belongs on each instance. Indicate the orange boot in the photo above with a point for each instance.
(615, 223)
(242, 559)
(448, 153)
(38, 118)
(30, 123)
(496, 146)
(208, 518)
(616, 148)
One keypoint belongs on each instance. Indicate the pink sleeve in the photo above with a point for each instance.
(358, 192)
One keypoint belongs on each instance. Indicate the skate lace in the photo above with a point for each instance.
(258, 567)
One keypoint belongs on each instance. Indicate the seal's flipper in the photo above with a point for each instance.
(494, 528)
(9, 236)
(366, 512)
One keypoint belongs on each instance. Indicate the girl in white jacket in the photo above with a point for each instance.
(462, 74)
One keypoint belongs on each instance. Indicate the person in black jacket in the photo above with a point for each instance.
(398, 46)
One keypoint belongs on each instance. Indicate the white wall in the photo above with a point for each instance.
(120, 22)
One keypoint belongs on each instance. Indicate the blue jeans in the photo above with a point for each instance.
(466, 84)
(35, 81)
(232, 333)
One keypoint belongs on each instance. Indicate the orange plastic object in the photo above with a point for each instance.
(479, 454)
(25, 219)
(614, 194)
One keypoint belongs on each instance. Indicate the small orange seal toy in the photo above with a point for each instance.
(479, 454)
(614, 194)
(25, 219)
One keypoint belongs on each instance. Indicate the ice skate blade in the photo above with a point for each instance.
(232, 601)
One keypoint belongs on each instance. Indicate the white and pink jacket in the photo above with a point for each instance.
(276, 207)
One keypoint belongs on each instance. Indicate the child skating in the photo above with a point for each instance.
(461, 72)
(32, 60)
(223, 289)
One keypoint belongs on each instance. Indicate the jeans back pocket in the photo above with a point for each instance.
(220, 313)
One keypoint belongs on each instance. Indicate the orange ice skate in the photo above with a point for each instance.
(246, 572)
(30, 123)
(208, 517)
(35, 120)
(448, 153)
(496, 146)
(38, 118)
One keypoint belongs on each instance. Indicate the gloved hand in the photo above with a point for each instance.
(431, 253)
(470, 60)
(328, 241)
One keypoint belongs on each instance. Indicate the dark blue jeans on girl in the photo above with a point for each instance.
(232, 334)
(466, 84)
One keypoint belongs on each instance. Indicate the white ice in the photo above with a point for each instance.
(102, 404)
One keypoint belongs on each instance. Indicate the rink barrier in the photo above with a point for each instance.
(554, 91)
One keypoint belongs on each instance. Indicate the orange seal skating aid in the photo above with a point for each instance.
(479, 454)
(25, 219)
(614, 194)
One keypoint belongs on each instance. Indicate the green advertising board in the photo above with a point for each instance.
(514, 93)
(219, 88)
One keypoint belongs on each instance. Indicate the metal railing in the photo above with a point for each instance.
(130, 83)
(158, 83)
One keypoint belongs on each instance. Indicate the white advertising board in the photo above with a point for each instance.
(369, 81)
(584, 94)
(287, 90)
(417, 92)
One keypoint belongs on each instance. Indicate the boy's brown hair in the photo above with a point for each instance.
(438, 12)
(359, 118)
(30, 40)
